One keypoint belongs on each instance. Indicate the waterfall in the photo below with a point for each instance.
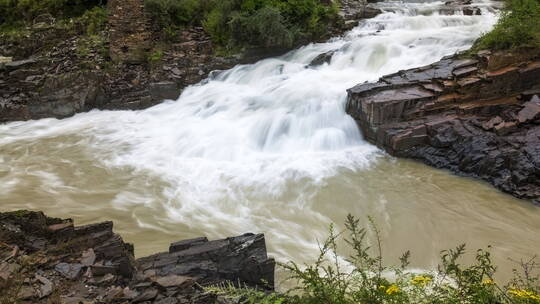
(247, 149)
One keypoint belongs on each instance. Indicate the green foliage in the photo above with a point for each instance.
(265, 27)
(94, 20)
(26, 10)
(518, 26)
(16, 14)
(372, 282)
(260, 23)
(246, 295)
(268, 23)
(155, 56)
(174, 12)
(214, 21)
(92, 44)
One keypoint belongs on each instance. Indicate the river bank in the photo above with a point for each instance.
(50, 260)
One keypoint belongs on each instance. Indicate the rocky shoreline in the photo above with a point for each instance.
(55, 71)
(477, 116)
(50, 260)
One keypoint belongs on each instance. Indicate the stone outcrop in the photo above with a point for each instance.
(241, 259)
(476, 116)
(74, 77)
(48, 260)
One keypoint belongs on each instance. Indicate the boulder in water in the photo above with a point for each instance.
(322, 59)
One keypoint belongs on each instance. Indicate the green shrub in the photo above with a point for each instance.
(154, 57)
(21, 12)
(215, 22)
(169, 12)
(265, 27)
(372, 282)
(269, 23)
(518, 26)
(238, 23)
(94, 20)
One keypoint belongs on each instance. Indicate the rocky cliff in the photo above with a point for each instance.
(49, 260)
(53, 72)
(477, 116)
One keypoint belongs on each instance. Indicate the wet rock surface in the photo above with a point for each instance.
(476, 116)
(48, 260)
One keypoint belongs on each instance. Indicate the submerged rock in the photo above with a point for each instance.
(322, 59)
(474, 116)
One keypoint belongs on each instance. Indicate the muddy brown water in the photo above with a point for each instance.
(417, 208)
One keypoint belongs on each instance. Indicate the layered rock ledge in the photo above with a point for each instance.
(477, 116)
(49, 260)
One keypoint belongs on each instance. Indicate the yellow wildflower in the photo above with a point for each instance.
(524, 294)
(421, 280)
(393, 289)
(487, 281)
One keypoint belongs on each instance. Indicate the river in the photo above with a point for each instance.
(269, 148)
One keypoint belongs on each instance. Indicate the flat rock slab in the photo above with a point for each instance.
(88, 257)
(70, 271)
(400, 95)
(530, 111)
(186, 244)
(174, 281)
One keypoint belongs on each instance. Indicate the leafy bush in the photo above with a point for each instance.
(94, 20)
(265, 27)
(215, 19)
(174, 12)
(518, 26)
(19, 12)
(155, 56)
(371, 282)
(269, 23)
(261, 23)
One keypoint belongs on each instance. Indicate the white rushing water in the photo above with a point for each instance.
(260, 125)
(248, 150)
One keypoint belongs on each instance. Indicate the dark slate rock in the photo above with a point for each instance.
(322, 59)
(164, 90)
(185, 244)
(462, 115)
(70, 271)
(531, 110)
